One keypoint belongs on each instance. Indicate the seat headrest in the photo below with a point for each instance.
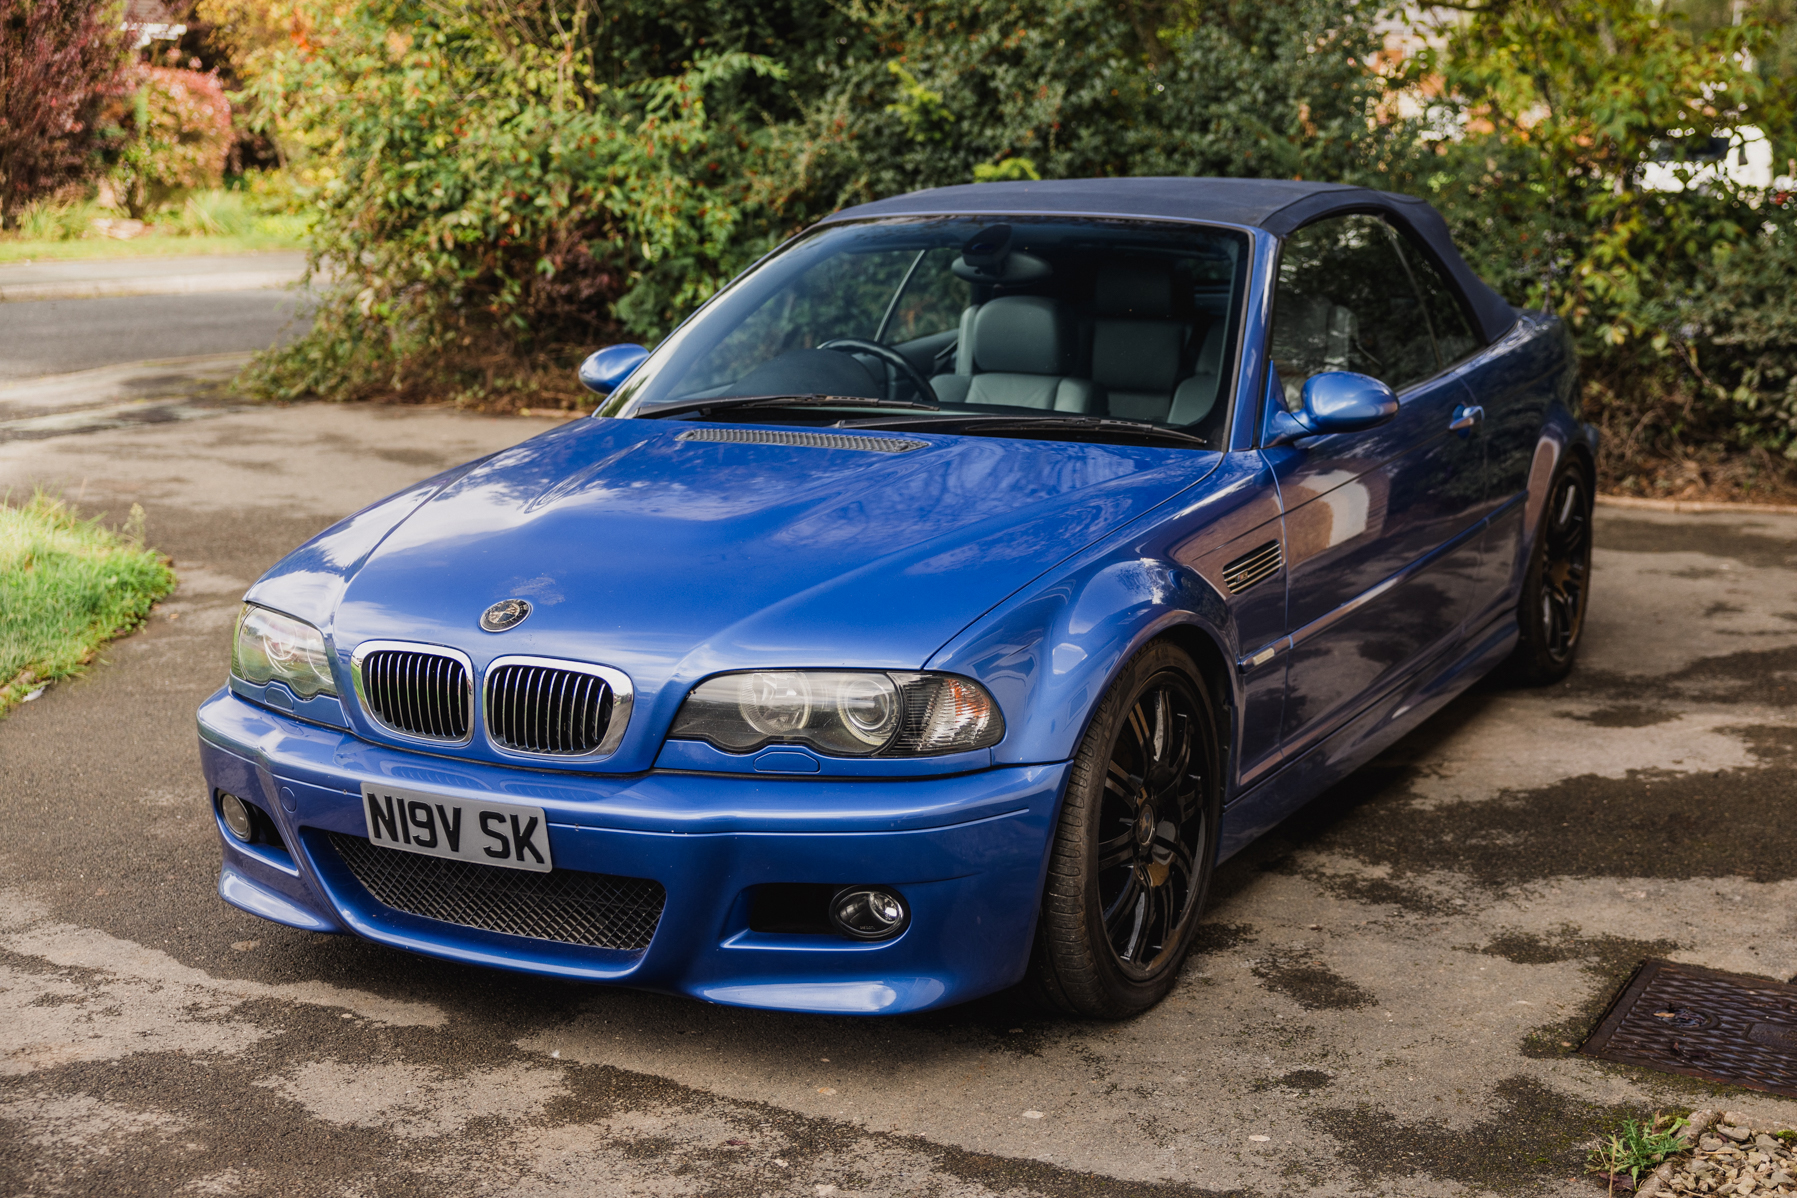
(1135, 291)
(1018, 334)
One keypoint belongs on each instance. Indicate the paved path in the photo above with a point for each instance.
(1386, 993)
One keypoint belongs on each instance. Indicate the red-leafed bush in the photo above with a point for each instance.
(180, 125)
(57, 60)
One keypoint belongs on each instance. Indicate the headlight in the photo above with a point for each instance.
(842, 713)
(271, 647)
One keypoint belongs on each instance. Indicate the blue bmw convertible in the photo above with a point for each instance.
(932, 612)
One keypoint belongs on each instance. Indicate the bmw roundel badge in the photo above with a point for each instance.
(507, 613)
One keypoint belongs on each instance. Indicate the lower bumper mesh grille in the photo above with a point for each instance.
(569, 906)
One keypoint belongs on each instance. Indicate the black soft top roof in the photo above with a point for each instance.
(1279, 206)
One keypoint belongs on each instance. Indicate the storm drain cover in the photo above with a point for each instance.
(1723, 1027)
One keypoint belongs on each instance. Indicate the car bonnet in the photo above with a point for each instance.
(646, 546)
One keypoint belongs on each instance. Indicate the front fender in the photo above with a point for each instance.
(1049, 656)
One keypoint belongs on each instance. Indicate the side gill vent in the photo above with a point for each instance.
(1257, 565)
(763, 436)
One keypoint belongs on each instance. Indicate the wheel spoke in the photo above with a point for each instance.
(1119, 907)
(1120, 782)
(1117, 850)
(1138, 724)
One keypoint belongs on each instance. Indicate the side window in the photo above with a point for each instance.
(1345, 301)
(1454, 336)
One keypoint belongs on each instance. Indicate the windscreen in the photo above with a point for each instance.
(1041, 317)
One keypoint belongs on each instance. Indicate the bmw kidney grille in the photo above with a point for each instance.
(417, 693)
(534, 707)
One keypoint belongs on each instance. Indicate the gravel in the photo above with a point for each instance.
(1734, 1158)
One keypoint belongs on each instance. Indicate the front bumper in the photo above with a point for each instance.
(966, 851)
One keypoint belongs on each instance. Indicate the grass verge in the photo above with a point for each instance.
(213, 221)
(67, 586)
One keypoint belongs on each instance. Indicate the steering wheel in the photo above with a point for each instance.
(888, 355)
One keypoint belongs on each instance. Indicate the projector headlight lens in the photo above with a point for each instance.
(842, 713)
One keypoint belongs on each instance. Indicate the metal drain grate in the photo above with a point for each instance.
(565, 905)
(1722, 1027)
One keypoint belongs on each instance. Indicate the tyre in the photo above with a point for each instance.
(1557, 587)
(1136, 845)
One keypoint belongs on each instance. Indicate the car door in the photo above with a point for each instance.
(1381, 526)
(1511, 381)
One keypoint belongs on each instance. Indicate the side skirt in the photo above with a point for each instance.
(1255, 813)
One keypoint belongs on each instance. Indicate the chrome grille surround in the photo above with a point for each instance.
(418, 692)
(1257, 565)
(568, 906)
(547, 707)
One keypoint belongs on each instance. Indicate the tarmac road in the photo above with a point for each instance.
(1387, 992)
(57, 317)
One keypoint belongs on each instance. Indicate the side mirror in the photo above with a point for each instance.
(1335, 401)
(605, 370)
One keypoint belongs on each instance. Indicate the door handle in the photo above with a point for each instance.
(1466, 416)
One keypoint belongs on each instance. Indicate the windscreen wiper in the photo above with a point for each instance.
(996, 423)
(723, 403)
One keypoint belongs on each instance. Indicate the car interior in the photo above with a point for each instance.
(1044, 319)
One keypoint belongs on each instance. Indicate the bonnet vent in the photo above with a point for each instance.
(1257, 565)
(762, 436)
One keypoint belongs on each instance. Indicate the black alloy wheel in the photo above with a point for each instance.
(1136, 844)
(1558, 585)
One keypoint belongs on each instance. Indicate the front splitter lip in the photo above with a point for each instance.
(973, 882)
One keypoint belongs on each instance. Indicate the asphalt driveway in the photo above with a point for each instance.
(1385, 1002)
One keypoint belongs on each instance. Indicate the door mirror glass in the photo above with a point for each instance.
(605, 370)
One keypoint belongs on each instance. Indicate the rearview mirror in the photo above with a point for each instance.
(605, 370)
(1335, 401)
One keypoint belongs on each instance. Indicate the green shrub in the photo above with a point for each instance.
(1683, 326)
(490, 203)
(176, 129)
(504, 185)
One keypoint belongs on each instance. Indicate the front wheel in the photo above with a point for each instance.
(1558, 585)
(1136, 845)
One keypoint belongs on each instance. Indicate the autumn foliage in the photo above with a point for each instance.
(58, 60)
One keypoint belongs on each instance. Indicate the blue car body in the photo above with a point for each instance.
(1035, 567)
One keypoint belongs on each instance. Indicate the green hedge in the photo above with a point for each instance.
(501, 185)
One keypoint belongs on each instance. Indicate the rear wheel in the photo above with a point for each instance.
(1136, 844)
(1558, 584)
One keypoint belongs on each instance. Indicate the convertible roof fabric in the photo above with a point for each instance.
(1279, 206)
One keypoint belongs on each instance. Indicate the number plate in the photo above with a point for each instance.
(509, 835)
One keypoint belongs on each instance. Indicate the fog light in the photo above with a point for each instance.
(868, 912)
(237, 816)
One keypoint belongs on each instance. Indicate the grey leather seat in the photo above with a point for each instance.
(1013, 354)
(1139, 349)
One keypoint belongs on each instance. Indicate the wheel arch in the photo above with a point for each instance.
(1050, 657)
